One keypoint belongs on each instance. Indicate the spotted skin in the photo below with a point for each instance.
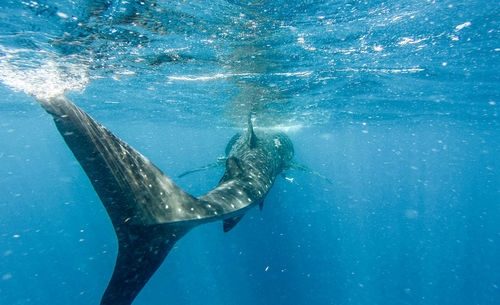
(149, 212)
(250, 172)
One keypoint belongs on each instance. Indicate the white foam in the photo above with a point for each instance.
(193, 78)
(200, 78)
(43, 75)
(302, 73)
(282, 128)
(463, 25)
(410, 40)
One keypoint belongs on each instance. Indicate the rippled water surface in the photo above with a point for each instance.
(395, 102)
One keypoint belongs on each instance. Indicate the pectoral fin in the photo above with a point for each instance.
(220, 162)
(306, 169)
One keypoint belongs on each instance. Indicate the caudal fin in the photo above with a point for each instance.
(148, 210)
(141, 251)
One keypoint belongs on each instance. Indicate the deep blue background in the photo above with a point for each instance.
(395, 102)
(411, 218)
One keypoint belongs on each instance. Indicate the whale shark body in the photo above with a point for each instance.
(149, 212)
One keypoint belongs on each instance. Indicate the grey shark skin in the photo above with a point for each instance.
(149, 212)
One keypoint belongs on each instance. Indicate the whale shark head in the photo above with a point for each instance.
(285, 149)
(278, 142)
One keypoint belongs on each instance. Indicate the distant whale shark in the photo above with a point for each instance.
(149, 212)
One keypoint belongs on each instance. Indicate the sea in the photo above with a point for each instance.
(393, 105)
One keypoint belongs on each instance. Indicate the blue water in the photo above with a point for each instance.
(395, 102)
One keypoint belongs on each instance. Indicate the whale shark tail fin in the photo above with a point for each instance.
(141, 251)
(132, 189)
(148, 211)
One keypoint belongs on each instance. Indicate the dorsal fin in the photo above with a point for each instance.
(233, 169)
(251, 137)
(229, 223)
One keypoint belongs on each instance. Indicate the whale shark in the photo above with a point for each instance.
(149, 212)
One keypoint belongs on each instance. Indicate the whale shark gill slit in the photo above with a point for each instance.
(149, 212)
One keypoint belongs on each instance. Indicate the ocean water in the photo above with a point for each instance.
(395, 102)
